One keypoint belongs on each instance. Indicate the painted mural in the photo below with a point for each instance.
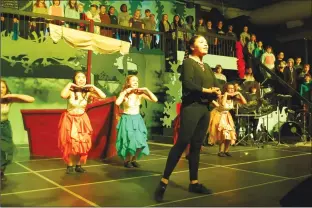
(41, 68)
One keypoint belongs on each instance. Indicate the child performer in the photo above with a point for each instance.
(221, 125)
(131, 130)
(75, 129)
(7, 145)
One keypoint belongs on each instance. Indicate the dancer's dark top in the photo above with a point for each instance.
(194, 78)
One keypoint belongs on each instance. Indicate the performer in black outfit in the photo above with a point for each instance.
(199, 89)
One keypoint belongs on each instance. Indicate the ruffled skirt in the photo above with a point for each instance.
(131, 136)
(75, 132)
(221, 127)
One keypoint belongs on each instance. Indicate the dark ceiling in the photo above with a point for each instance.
(242, 4)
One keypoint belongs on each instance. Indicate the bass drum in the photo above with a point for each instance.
(291, 132)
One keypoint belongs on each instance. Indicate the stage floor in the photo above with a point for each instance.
(252, 177)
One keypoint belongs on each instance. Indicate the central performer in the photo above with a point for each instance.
(199, 89)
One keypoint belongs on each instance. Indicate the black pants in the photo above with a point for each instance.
(193, 128)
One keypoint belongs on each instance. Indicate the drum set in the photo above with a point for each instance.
(260, 121)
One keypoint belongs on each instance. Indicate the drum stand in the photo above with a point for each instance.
(249, 134)
(264, 134)
(305, 133)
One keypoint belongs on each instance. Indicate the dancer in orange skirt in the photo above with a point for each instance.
(75, 129)
(221, 126)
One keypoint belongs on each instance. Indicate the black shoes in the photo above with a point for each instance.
(131, 164)
(224, 154)
(199, 189)
(135, 164)
(70, 170)
(128, 164)
(228, 154)
(160, 191)
(3, 177)
(79, 169)
(221, 154)
(194, 188)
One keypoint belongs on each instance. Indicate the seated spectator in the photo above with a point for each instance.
(218, 74)
(249, 75)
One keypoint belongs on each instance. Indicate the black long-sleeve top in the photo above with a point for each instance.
(194, 79)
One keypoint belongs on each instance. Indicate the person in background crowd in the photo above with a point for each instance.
(298, 65)
(290, 74)
(56, 9)
(230, 45)
(149, 24)
(165, 27)
(137, 23)
(113, 19)
(245, 36)
(82, 15)
(71, 11)
(124, 20)
(93, 14)
(106, 20)
(268, 58)
(200, 26)
(280, 58)
(177, 25)
(39, 24)
(259, 51)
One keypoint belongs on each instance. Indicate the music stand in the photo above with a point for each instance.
(281, 96)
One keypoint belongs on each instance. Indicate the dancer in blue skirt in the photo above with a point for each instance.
(131, 130)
